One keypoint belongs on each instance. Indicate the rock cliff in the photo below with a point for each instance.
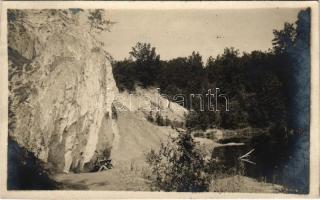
(61, 87)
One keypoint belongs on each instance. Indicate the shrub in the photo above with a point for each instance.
(178, 166)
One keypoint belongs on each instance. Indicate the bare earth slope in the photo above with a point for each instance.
(136, 136)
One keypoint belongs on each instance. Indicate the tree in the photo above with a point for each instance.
(147, 63)
(143, 52)
(98, 21)
(298, 104)
(124, 73)
(284, 39)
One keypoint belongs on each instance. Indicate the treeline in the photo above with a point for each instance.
(260, 85)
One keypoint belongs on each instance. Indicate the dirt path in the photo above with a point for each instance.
(113, 179)
(131, 180)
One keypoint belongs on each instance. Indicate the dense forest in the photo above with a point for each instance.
(261, 86)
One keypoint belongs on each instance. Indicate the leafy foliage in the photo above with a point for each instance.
(147, 63)
(98, 21)
(284, 39)
(179, 166)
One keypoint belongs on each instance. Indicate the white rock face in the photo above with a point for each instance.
(149, 103)
(61, 89)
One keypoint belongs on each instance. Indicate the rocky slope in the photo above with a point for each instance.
(151, 105)
(137, 136)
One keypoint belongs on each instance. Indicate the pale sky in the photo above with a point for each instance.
(177, 33)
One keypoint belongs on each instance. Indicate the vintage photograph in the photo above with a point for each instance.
(170, 100)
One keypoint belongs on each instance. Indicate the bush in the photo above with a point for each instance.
(178, 166)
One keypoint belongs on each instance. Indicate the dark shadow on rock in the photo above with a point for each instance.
(26, 172)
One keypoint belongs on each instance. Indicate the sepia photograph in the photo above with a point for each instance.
(210, 100)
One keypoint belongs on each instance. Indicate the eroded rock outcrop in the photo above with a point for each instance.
(61, 87)
(153, 106)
